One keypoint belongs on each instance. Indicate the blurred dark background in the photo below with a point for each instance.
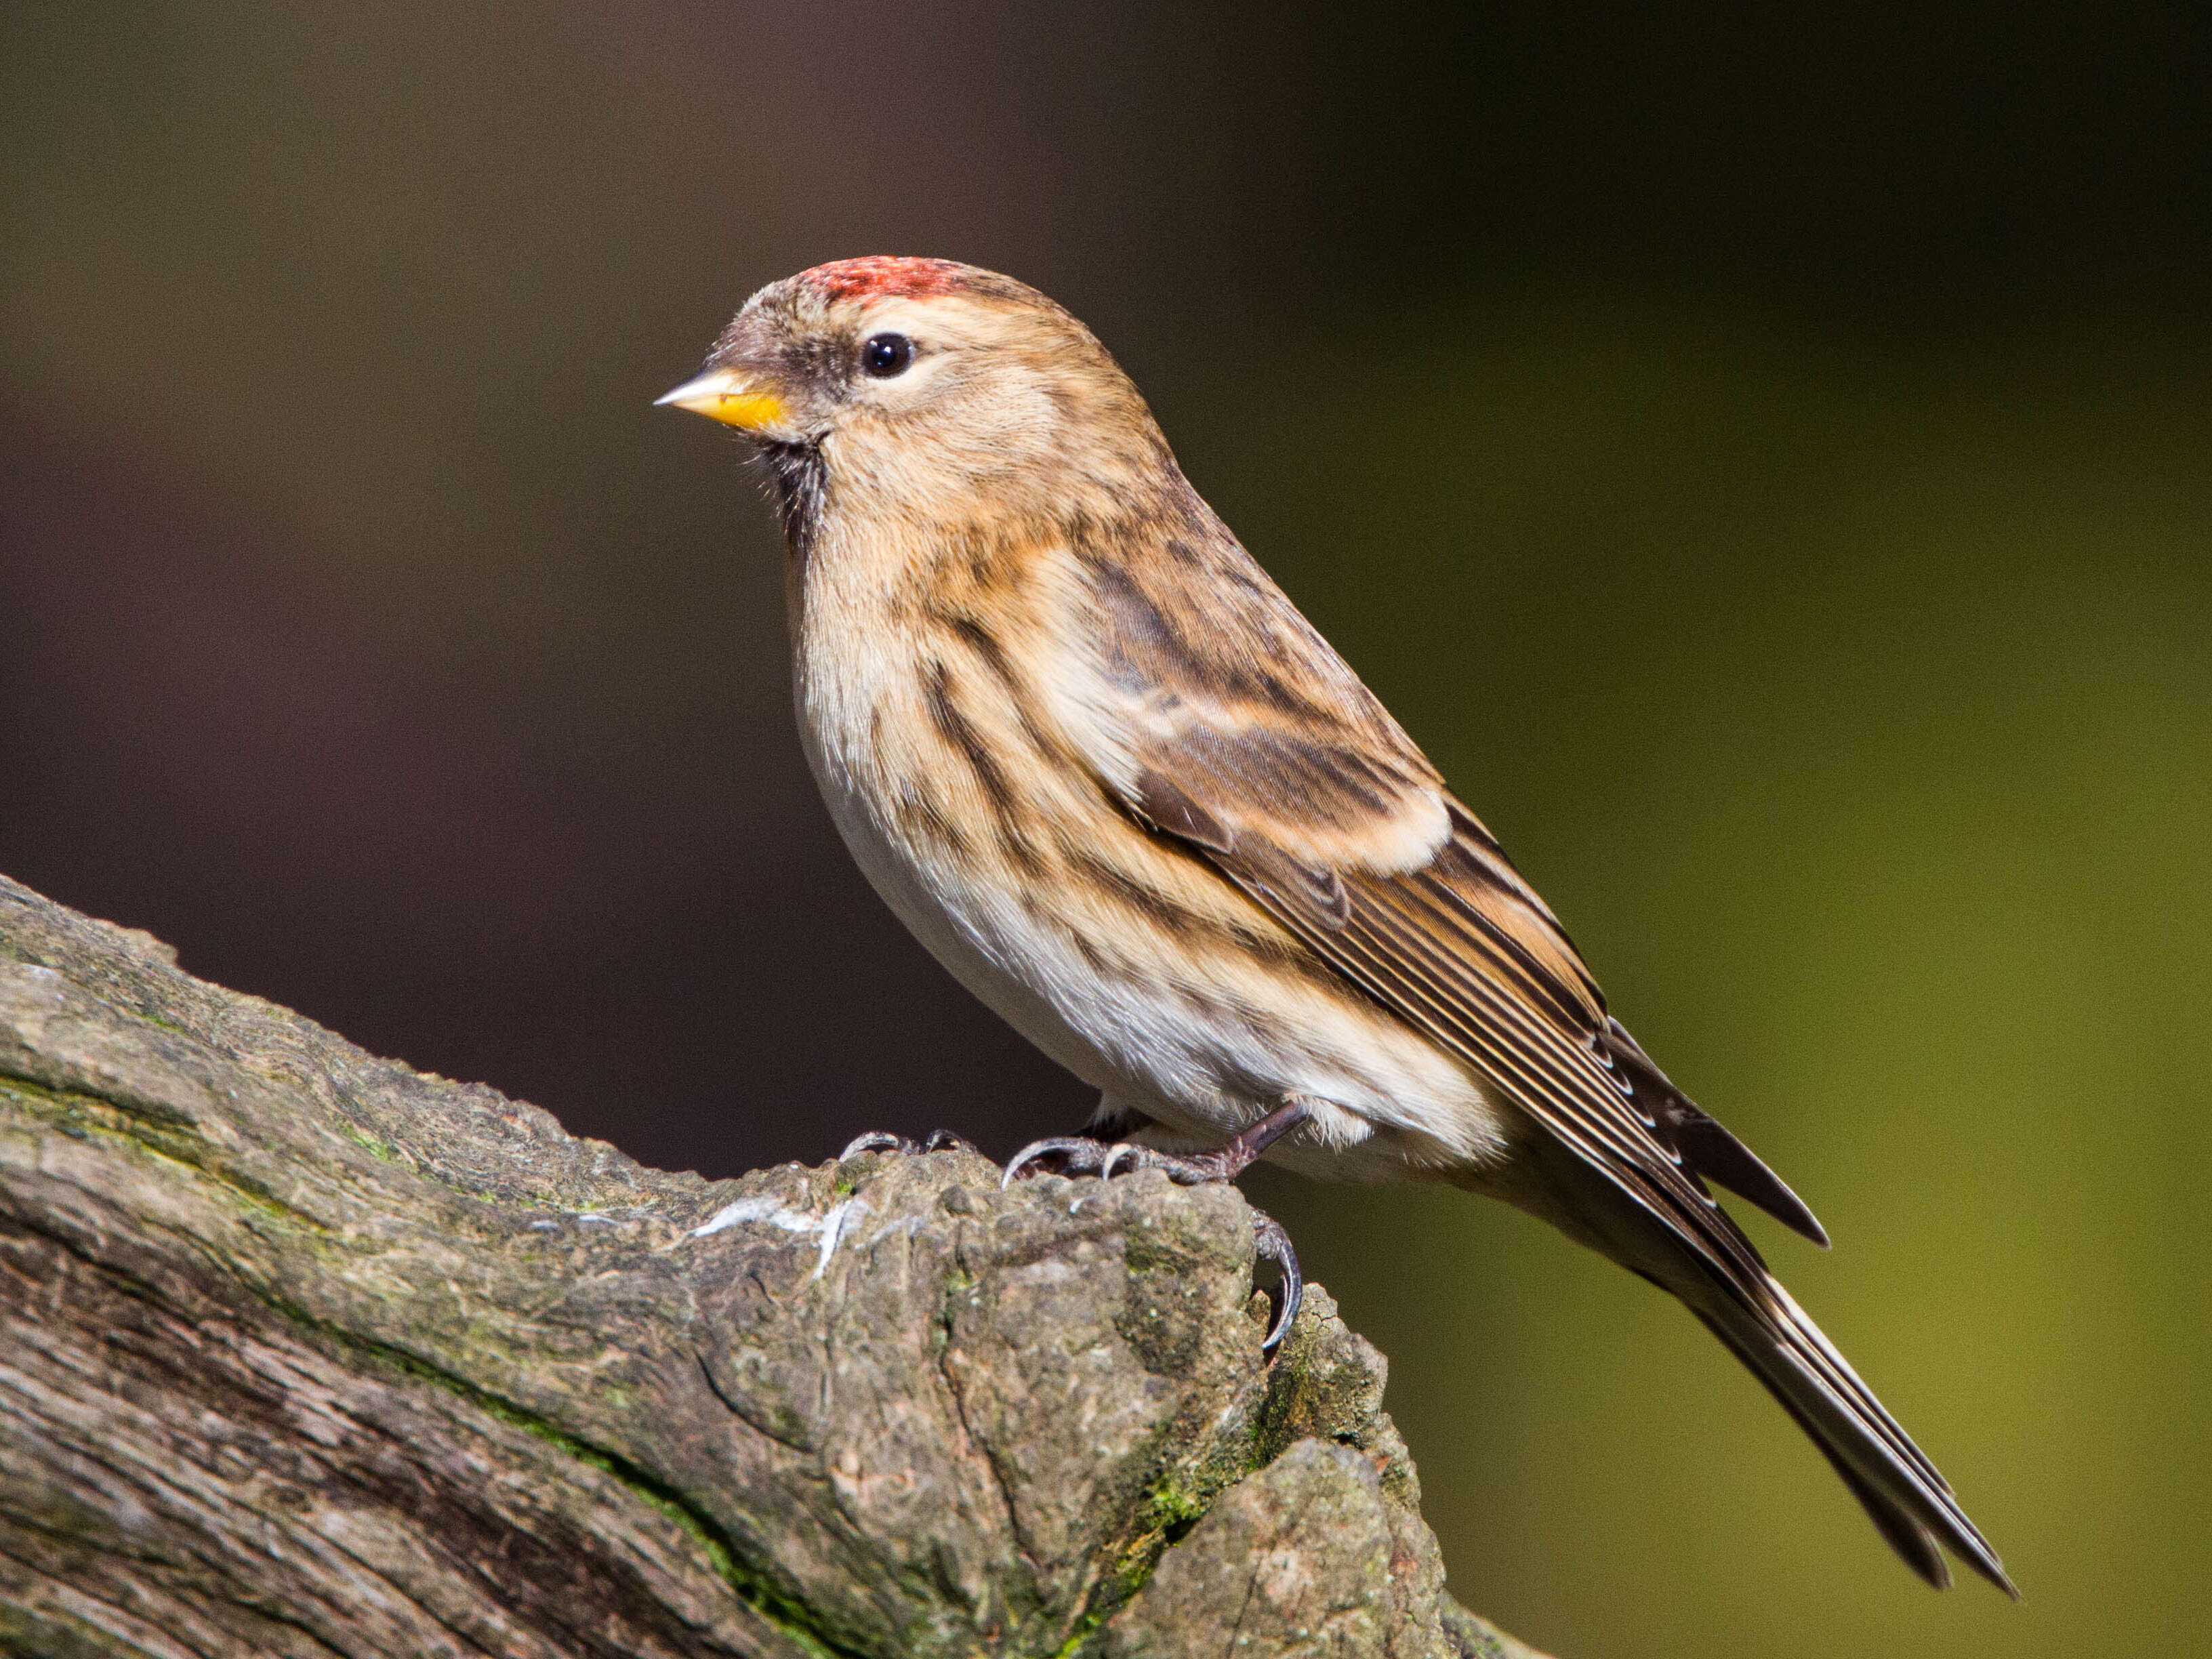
(1762, 453)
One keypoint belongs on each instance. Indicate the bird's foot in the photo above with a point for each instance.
(1085, 1155)
(1063, 1155)
(1088, 1155)
(882, 1140)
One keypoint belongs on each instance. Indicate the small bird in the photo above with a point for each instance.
(1112, 779)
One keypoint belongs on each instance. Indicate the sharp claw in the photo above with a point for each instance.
(1081, 1152)
(877, 1140)
(1118, 1153)
(1273, 1244)
(883, 1141)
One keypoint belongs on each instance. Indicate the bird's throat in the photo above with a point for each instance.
(797, 479)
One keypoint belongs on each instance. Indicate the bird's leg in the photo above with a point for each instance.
(1084, 1155)
(882, 1140)
(1225, 1162)
(1089, 1155)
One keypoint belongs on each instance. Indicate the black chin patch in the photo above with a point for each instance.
(796, 477)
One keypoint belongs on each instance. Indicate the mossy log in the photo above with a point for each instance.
(303, 1352)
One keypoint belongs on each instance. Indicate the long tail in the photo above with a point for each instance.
(1907, 1497)
(1730, 1289)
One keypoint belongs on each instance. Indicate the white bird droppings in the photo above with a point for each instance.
(833, 1225)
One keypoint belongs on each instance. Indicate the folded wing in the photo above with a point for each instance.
(1239, 732)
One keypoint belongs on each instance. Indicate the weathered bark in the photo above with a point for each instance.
(303, 1352)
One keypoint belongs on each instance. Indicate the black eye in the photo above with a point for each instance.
(886, 355)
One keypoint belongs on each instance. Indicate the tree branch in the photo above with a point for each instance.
(303, 1352)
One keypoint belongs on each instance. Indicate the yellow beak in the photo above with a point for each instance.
(721, 395)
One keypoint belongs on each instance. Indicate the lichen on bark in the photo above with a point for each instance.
(305, 1352)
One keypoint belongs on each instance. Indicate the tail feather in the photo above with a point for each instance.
(1907, 1536)
(1908, 1500)
(1741, 1302)
(1704, 1142)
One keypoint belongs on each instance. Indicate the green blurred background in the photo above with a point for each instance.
(1761, 452)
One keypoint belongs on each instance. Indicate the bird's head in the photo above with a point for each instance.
(927, 390)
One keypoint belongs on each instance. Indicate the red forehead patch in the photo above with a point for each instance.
(884, 276)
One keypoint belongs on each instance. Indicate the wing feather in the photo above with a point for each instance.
(1240, 733)
(1418, 943)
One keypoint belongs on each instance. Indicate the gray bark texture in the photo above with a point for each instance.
(305, 1353)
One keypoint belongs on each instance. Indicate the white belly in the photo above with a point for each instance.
(978, 955)
(1390, 1104)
